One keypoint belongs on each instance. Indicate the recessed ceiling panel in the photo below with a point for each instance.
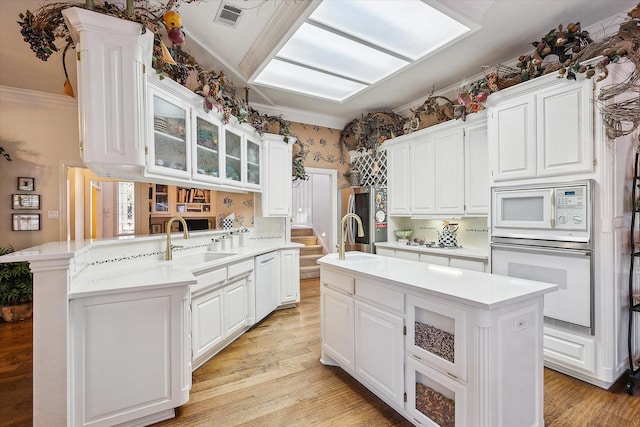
(291, 77)
(409, 27)
(321, 49)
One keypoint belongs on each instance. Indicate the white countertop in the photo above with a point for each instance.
(109, 278)
(483, 290)
(476, 253)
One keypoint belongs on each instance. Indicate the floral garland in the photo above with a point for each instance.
(42, 27)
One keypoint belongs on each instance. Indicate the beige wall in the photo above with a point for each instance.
(40, 131)
(322, 149)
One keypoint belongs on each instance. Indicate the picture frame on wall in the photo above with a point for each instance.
(26, 201)
(25, 222)
(26, 183)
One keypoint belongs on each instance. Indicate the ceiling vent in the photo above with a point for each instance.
(228, 15)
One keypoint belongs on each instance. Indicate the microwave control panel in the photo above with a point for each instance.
(571, 208)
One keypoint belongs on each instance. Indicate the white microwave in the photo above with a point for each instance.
(558, 212)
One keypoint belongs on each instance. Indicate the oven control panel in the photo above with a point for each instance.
(571, 208)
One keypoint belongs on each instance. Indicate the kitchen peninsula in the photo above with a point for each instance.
(441, 345)
(118, 329)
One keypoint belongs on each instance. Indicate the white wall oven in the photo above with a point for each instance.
(544, 233)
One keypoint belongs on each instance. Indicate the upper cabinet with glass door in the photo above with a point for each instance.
(170, 145)
(252, 177)
(233, 156)
(207, 157)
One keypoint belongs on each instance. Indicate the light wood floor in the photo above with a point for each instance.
(271, 377)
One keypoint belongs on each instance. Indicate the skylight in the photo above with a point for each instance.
(348, 45)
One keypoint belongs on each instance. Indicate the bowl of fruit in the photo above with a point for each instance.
(403, 235)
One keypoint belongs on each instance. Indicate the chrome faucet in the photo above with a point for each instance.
(185, 234)
(342, 238)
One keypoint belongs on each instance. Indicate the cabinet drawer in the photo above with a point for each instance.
(385, 251)
(467, 264)
(208, 279)
(240, 268)
(434, 259)
(380, 295)
(337, 281)
(570, 350)
(411, 256)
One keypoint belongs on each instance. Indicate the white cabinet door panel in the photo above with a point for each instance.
(235, 306)
(338, 327)
(380, 350)
(207, 330)
(449, 167)
(476, 156)
(423, 176)
(398, 180)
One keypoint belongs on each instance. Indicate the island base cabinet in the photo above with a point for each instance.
(337, 328)
(380, 350)
(434, 399)
(127, 358)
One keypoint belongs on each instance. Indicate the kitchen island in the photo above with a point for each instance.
(441, 345)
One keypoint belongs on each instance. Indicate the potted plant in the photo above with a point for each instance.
(16, 289)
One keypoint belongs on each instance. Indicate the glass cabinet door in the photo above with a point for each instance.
(207, 149)
(233, 155)
(170, 134)
(253, 163)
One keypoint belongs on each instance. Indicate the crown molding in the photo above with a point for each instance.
(34, 97)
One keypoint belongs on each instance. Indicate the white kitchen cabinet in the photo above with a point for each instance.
(408, 255)
(468, 264)
(436, 334)
(253, 163)
(236, 306)
(435, 259)
(207, 157)
(434, 399)
(206, 323)
(233, 156)
(379, 351)
(541, 129)
(476, 170)
(398, 179)
(289, 276)
(429, 174)
(277, 188)
(422, 179)
(113, 58)
(220, 309)
(127, 355)
(449, 177)
(170, 130)
(385, 251)
(564, 129)
(337, 310)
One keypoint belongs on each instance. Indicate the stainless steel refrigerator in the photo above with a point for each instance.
(370, 204)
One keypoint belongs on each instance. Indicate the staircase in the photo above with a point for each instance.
(309, 254)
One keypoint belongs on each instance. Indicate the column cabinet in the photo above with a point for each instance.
(277, 188)
(543, 128)
(113, 59)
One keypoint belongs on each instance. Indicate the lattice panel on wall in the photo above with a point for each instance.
(373, 168)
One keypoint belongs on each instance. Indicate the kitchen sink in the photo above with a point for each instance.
(201, 258)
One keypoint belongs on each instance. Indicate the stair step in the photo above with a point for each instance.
(311, 250)
(301, 231)
(309, 260)
(305, 240)
(309, 272)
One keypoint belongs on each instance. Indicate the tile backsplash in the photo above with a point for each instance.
(473, 232)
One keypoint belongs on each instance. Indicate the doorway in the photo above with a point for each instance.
(315, 205)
